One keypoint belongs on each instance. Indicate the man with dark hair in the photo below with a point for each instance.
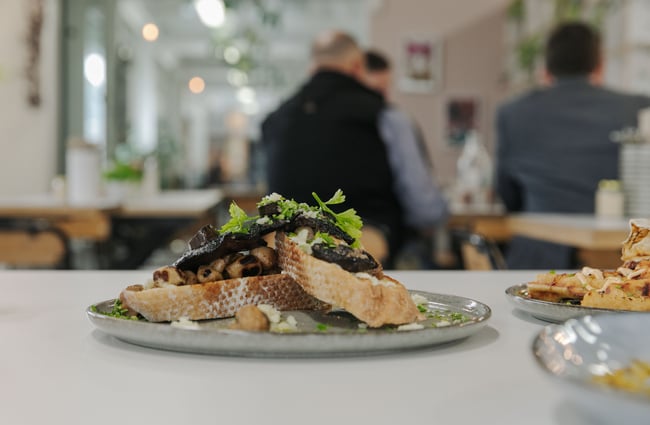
(554, 143)
(328, 136)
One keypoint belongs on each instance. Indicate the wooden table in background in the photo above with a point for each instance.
(598, 240)
(137, 223)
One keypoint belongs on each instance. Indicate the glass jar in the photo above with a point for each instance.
(609, 199)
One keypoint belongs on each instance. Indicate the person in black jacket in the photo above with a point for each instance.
(327, 136)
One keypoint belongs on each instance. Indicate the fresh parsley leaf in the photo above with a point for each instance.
(422, 308)
(348, 220)
(322, 327)
(239, 221)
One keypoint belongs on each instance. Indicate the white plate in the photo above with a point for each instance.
(550, 311)
(318, 334)
(573, 352)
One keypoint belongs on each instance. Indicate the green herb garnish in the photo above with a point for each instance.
(326, 238)
(322, 327)
(348, 220)
(239, 221)
(117, 311)
(422, 308)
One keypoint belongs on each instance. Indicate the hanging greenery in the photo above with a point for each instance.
(32, 69)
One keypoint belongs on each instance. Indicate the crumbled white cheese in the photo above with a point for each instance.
(273, 197)
(442, 323)
(301, 240)
(263, 220)
(363, 325)
(310, 214)
(288, 325)
(271, 313)
(148, 284)
(185, 323)
(410, 327)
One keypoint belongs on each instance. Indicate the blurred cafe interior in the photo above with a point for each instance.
(127, 124)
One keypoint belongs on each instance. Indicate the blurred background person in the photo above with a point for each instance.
(330, 135)
(409, 157)
(554, 142)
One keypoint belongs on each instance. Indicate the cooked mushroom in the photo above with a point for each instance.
(248, 265)
(190, 277)
(218, 265)
(267, 256)
(208, 274)
(168, 275)
(251, 318)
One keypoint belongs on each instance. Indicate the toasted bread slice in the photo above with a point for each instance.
(376, 300)
(218, 299)
(617, 299)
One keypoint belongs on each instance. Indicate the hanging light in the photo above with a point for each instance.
(211, 12)
(150, 32)
(95, 69)
(196, 85)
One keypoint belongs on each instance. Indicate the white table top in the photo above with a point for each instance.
(172, 203)
(57, 368)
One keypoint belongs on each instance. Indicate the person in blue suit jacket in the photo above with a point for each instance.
(554, 142)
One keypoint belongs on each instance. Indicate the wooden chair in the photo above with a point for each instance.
(478, 252)
(33, 244)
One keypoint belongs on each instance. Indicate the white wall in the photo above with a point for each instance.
(473, 64)
(28, 135)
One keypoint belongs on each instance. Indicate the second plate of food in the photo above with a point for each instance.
(555, 312)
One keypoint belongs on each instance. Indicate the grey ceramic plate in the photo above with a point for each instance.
(573, 352)
(547, 310)
(318, 334)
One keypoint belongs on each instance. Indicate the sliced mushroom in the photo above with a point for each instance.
(190, 277)
(218, 265)
(168, 275)
(208, 274)
(267, 256)
(247, 265)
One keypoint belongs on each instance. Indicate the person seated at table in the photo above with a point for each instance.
(401, 129)
(554, 143)
(332, 134)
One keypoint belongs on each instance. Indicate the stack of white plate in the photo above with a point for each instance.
(635, 178)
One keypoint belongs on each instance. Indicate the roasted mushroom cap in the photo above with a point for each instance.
(350, 259)
(226, 243)
(318, 225)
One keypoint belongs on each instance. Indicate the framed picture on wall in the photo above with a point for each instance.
(461, 117)
(421, 64)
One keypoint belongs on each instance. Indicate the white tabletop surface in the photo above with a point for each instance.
(56, 368)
